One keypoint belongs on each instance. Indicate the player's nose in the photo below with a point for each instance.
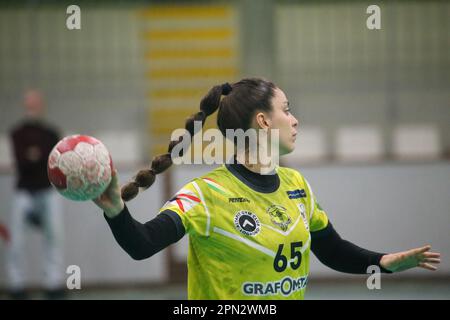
(295, 122)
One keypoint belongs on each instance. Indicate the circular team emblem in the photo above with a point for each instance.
(247, 223)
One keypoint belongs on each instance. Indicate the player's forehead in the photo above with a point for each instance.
(279, 99)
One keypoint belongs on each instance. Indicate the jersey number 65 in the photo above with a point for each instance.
(280, 262)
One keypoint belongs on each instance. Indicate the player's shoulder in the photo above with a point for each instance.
(52, 129)
(219, 173)
(293, 178)
(217, 176)
(26, 125)
(289, 173)
(17, 128)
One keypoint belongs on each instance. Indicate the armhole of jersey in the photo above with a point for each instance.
(322, 232)
(202, 198)
(181, 229)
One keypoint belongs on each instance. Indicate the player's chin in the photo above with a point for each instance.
(286, 148)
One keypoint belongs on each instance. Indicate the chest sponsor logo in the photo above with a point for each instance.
(302, 209)
(239, 200)
(296, 194)
(247, 223)
(279, 217)
(285, 286)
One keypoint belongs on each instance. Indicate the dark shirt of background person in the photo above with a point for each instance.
(32, 141)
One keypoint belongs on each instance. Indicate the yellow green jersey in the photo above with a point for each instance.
(245, 244)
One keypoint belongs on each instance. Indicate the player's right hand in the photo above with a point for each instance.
(110, 201)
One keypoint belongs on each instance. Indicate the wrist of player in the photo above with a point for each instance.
(386, 262)
(397, 262)
(113, 211)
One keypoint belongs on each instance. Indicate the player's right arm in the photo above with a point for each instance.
(139, 240)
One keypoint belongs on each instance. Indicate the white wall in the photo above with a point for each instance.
(386, 208)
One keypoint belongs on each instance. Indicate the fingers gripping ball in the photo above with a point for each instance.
(80, 167)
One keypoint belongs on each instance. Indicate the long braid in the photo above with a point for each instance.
(146, 177)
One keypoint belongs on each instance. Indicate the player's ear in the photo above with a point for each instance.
(262, 120)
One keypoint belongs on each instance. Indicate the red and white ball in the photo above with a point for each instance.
(80, 167)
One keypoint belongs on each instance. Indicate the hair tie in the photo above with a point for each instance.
(226, 89)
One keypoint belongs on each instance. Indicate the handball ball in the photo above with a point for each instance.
(80, 167)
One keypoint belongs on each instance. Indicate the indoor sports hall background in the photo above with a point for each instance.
(373, 105)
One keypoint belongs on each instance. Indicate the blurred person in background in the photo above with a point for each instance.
(35, 202)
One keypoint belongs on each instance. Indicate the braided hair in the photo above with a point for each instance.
(242, 99)
(146, 177)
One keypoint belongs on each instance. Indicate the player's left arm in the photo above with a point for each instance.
(344, 256)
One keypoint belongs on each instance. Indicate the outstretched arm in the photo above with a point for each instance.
(344, 256)
(139, 240)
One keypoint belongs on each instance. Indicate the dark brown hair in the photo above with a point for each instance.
(242, 99)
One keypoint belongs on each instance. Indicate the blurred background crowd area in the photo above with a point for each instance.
(373, 105)
(137, 69)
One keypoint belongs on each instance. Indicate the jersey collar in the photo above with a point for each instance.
(261, 183)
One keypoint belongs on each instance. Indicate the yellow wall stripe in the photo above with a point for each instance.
(185, 56)
(189, 34)
(190, 53)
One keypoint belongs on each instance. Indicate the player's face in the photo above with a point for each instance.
(282, 119)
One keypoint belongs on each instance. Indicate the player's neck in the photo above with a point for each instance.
(255, 164)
